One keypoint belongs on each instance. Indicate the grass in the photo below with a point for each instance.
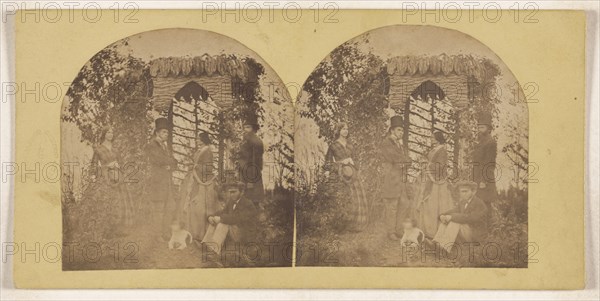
(372, 248)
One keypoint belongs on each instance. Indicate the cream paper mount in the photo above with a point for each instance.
(182, 152)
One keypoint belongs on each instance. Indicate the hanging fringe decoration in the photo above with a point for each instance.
(205, 65)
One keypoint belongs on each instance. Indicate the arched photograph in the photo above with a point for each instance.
(182, 146)
(412, 150)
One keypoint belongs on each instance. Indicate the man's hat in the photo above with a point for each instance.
(485, 118)
(466, 183)
(396, 121)
(161, 124)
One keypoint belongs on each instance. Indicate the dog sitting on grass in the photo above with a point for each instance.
(413, 236)
(179, 236)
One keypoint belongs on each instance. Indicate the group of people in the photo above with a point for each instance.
(446, 212)
(200, 203)
(212, 208)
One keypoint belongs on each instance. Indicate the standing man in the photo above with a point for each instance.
(250, 162)
(160, 182)
(395, 164)
(484, 160)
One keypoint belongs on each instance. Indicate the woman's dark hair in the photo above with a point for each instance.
(103, 132)
(255, 127)
(439, 137)
(338, 129)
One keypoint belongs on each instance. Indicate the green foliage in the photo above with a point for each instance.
(509, 228)
(323, 212)
(350, 87)
(276, 227)
(347, 87)
(248, 103)
(111, 90)
(94, 217)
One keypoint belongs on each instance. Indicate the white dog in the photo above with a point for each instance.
(413, 236)
(179, 236)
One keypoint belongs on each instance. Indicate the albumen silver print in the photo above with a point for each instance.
(186, 141)
(412, 150)
(341, 148)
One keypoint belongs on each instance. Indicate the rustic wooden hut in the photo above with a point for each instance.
(432, 92)
(203, 93)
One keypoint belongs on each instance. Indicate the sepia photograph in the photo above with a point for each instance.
(412, 150)
(316, 150)
(183, 145)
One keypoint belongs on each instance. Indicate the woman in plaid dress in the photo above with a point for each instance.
(342, 172)
(114, 199)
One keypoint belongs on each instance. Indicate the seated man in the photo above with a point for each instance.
(466, 222)
(237, 221)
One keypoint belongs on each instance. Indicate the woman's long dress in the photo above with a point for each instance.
(435, 197)
(111, 188)
(348, 192)
(199, 194)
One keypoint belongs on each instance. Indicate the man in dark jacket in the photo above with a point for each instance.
(160, 184)
(484, 161)
(237, 221)
(250, 162)
(394, 190)
(467, 222)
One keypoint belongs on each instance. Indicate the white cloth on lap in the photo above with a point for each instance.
(446, 235)
(215, 236)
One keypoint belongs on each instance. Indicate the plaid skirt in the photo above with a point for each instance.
(358, 217)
